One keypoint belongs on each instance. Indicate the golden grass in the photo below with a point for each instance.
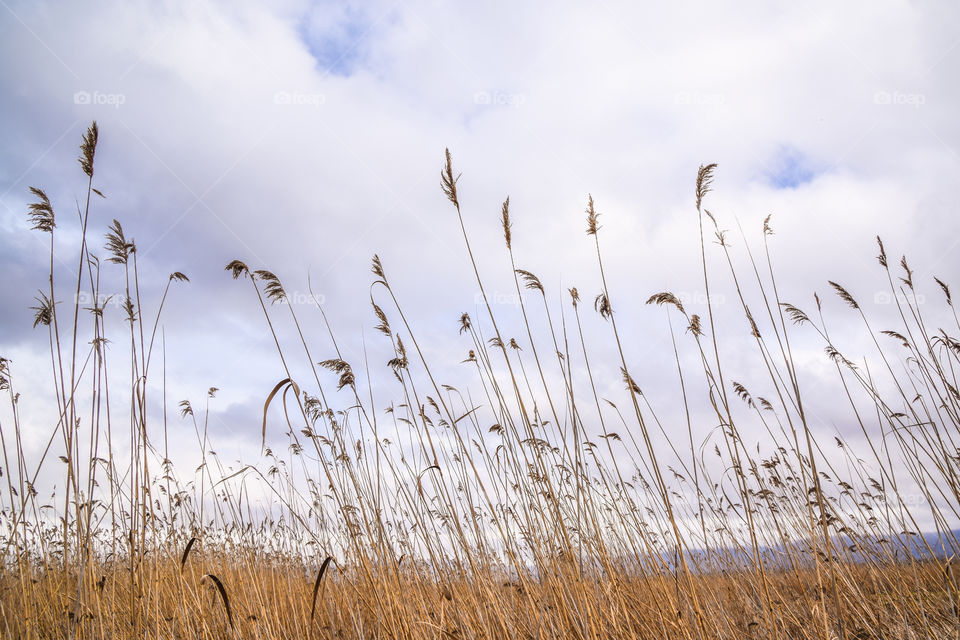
(272, 597)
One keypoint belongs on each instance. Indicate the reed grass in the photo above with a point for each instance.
(525, 506)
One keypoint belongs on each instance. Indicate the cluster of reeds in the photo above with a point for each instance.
(525, 506)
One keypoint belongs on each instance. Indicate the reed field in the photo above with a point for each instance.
(387, 503)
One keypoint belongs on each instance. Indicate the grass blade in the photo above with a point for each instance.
(316, 585)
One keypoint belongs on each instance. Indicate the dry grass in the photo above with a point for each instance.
(525, 507)
(271, 597)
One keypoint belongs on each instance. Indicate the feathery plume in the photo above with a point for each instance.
(505, 219)
(342, 368)
(946, 290)
(271, 286)
(384, 326)
(601, 304)
(742, 393)
(88, 148)
(448, 182)
(117, 244)
(592, 216)
(882, 257)
(237, 269)
(796, 315)
(43, 312)
(666, 297)
(844, 294)
(898, 336)
(704, 181)
(530, 281)
(41, 213)
(377, 268)
(400, 361)
(753, 325)
(908, 280)
(628, 380)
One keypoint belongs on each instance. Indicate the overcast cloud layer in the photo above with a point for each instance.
(305, 137)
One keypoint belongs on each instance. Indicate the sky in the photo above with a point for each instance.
(305, 137)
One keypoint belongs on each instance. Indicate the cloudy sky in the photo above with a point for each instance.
(305, 137)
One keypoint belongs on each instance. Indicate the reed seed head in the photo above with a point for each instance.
(704, 181)
(41, 212)
(505, 219)
(237, 269)
(592, 216)
(448, 181)
(88, 148)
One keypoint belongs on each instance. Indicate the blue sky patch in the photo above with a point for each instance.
(790, 168)
(338, 50)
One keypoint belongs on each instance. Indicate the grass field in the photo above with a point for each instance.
(528, 506)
